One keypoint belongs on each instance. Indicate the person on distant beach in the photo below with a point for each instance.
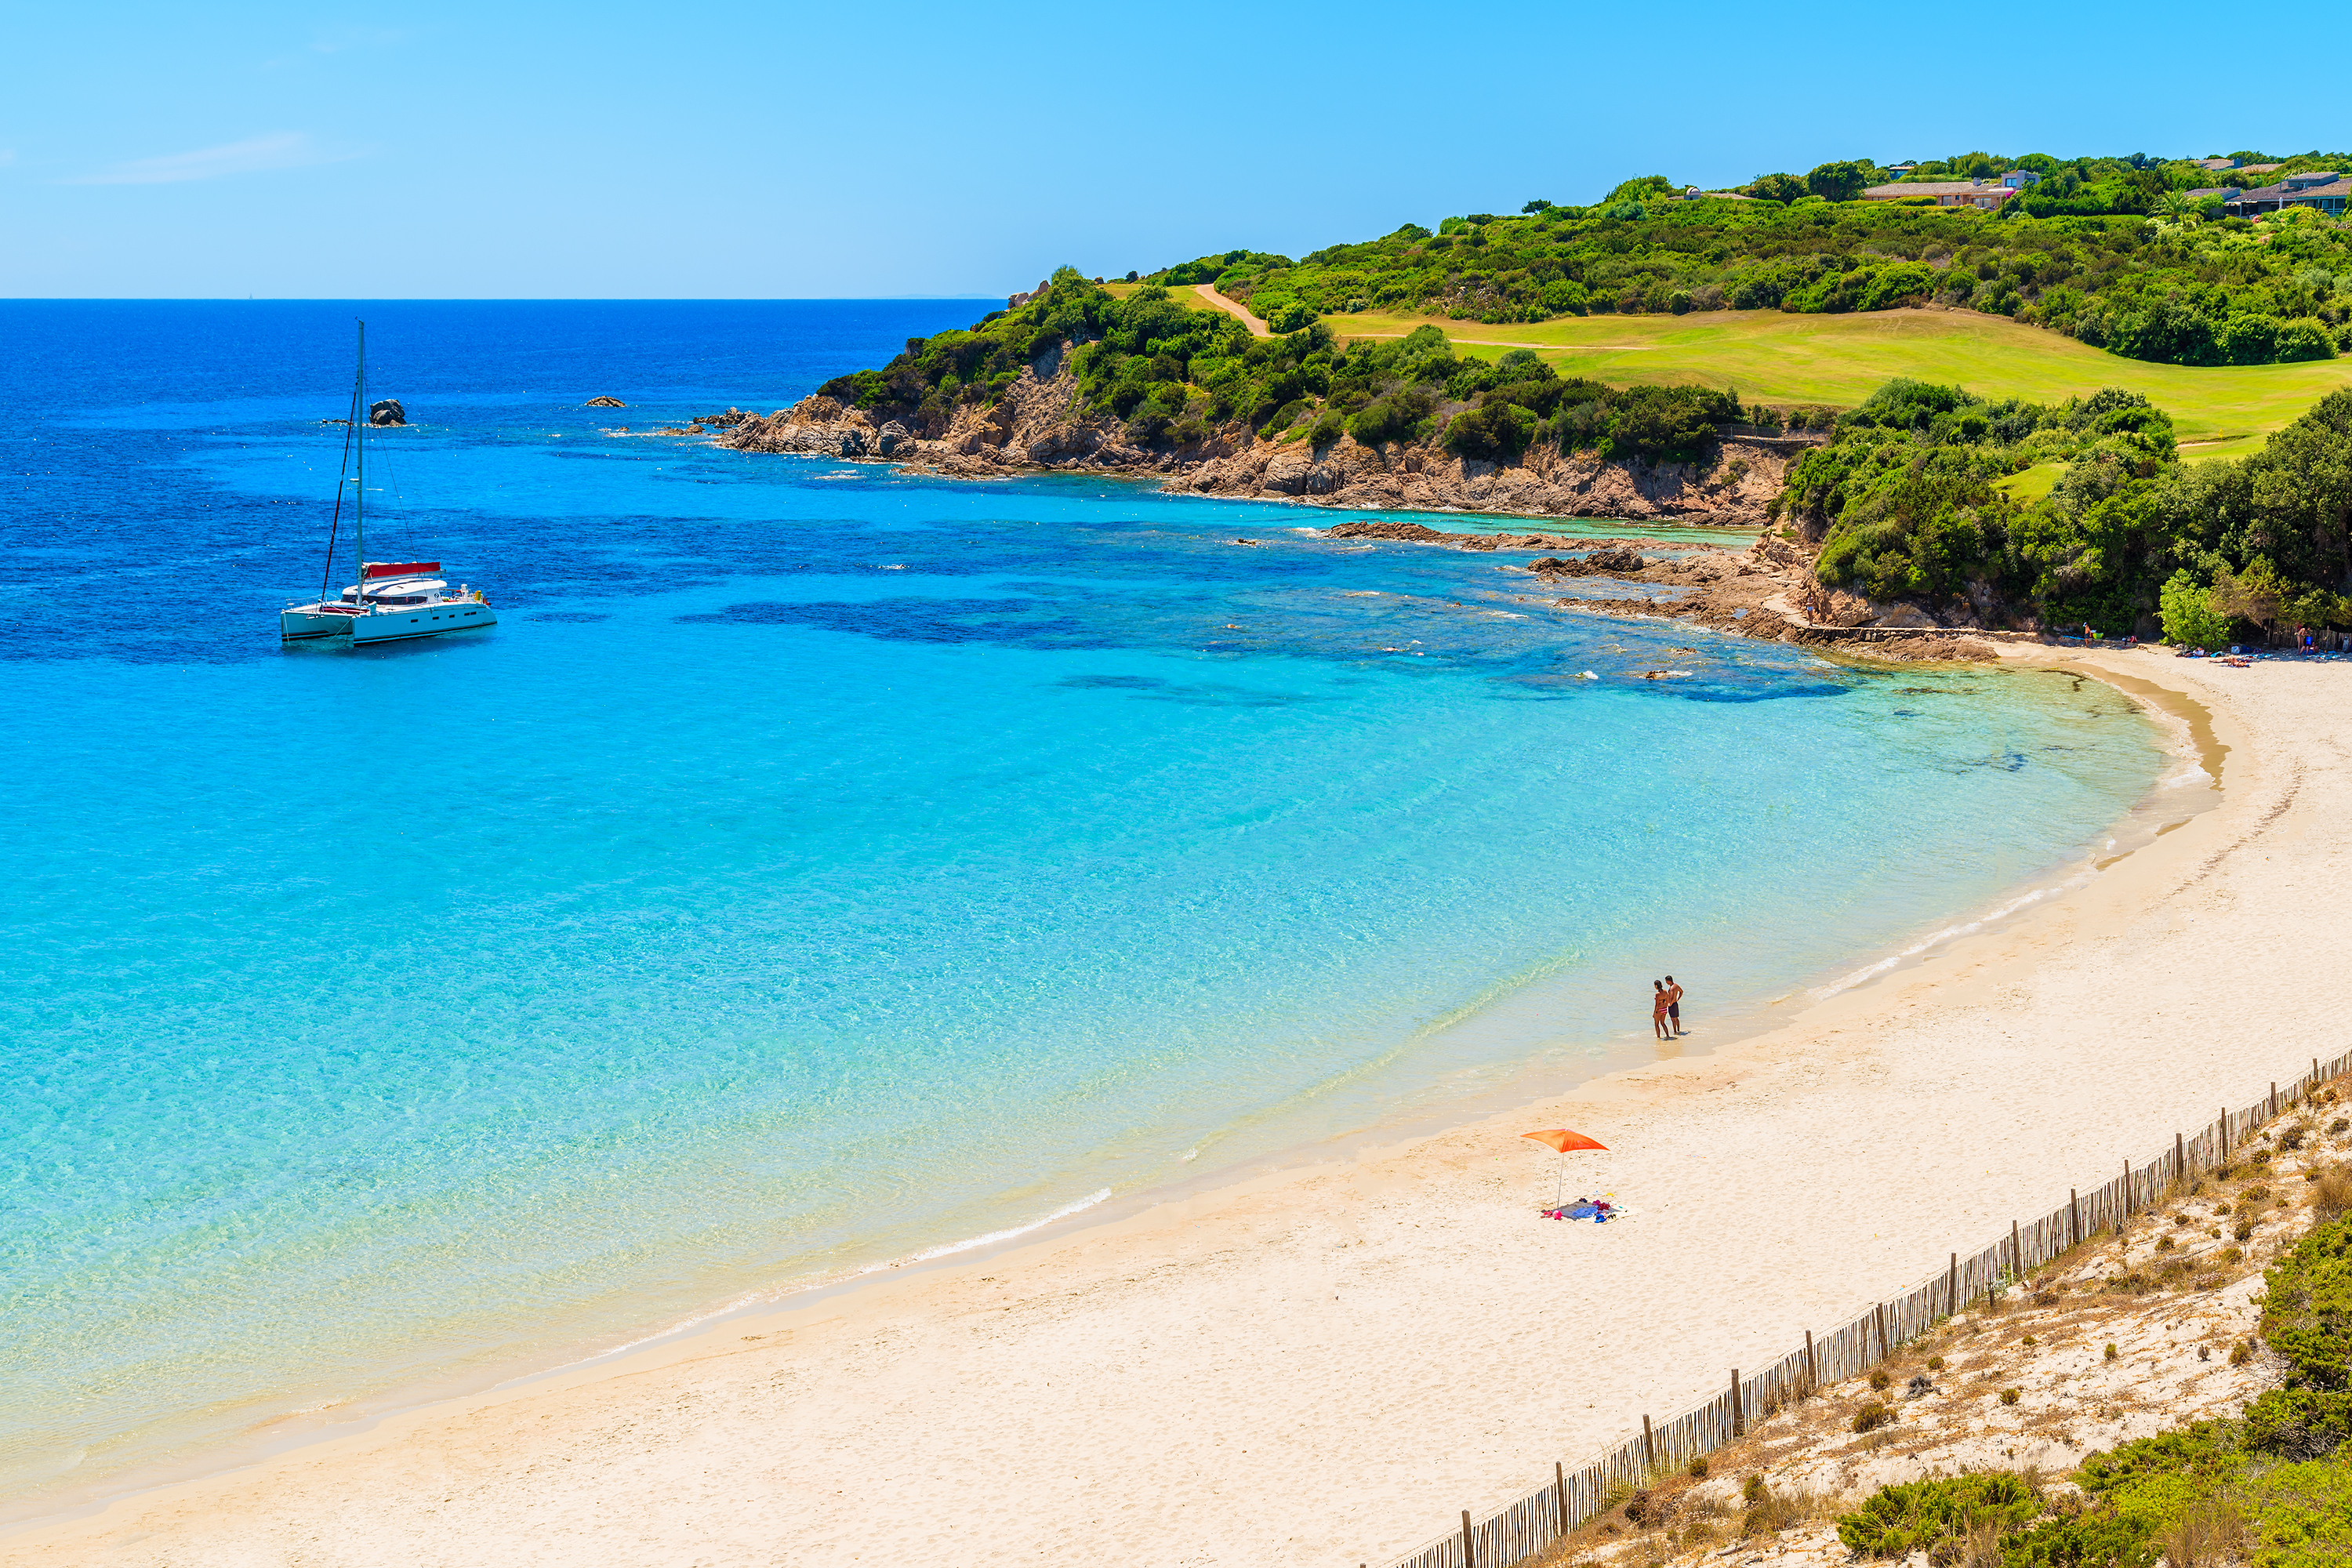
(1674, 1003)
(1658, 1005)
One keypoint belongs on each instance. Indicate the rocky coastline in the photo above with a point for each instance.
(1040, 424)
(1767, 591)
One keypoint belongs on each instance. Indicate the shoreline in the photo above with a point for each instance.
(1512, 1080)
(717, 1337)
(1512, 1089)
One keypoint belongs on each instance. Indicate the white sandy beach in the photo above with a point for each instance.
(1326, 1366)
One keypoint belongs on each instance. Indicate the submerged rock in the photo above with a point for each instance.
(387, 412)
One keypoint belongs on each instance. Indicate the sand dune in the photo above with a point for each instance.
(1324, 1367)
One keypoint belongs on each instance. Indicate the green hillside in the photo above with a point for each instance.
(2116, 254)
(1772, 356)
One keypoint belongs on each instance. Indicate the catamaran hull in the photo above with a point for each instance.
(425, 621)
(310, 626)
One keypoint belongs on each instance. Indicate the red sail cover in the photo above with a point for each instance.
(399, 568)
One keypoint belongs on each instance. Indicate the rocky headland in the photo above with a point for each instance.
(1042, 423)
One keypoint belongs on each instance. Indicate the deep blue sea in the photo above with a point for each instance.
(817, 865)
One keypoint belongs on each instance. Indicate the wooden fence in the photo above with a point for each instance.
(1572, 1496)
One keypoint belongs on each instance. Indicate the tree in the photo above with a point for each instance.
(2302, 514)
(1839, 182)
(2255, 594)
(1647, 188)
(1775, 187)
(2189, 617)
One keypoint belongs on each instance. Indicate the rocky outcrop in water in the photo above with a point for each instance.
(604, 403)
(387, 412)
(1040, 423)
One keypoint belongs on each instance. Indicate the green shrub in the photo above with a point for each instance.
(2086, 1541)
(2303, 339)
(1396, 416)
(1900, 1519)
(2300, 1514)
(2207, 1452)
(2307, 1311)
(1496, 431)
(2189, 617)
(1872, 1414)
(2298, 1423)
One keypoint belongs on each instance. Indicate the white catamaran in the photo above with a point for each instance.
(393, 600)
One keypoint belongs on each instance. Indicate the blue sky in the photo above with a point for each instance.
(780, 151)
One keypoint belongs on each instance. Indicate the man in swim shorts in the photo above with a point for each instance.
(1674, 1003)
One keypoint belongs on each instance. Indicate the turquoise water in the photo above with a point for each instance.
(817, 865)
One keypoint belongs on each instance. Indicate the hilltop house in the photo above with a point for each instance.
(1984, 194)
(2321, 188)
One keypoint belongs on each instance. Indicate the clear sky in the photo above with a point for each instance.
(785, 150)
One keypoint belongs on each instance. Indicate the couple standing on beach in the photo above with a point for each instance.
(1667, 1008)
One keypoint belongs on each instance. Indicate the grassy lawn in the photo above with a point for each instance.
(1185, 296)
(2034, 483)
(1781, 358)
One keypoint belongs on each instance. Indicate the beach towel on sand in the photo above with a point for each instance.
(1599, 1211)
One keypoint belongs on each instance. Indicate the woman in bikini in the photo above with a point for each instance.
(1658, 1010)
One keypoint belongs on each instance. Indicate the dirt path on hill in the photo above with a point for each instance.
(1235, 308)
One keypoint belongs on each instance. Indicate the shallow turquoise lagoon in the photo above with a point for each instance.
(817, 865)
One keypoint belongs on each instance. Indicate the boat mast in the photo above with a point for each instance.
(342, 478)
(358, 500)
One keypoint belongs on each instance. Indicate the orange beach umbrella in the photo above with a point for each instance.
(1562, 1140)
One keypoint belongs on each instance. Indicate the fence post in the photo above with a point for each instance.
(2273, 1101)
(2127, 1193)
(1812, 1367)
(1878, 1316)
(1559, 1485)
(2179, 1158)
(2016, 1255)
(1735, 1402)
(2075, 1216)
(1952, 1290)
(2225, 1135)
(1469, 1546)
(1649, 1444)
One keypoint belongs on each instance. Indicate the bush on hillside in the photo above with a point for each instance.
(1916, 1515)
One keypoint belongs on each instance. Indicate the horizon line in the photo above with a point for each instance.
(480, 299)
